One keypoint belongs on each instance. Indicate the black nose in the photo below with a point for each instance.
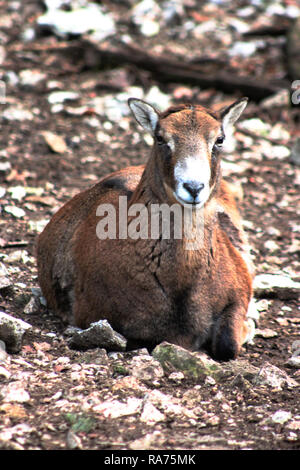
(193, 187)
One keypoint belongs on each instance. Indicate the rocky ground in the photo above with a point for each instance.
(64, 124)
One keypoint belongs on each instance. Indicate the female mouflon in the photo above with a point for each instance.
(149, 282)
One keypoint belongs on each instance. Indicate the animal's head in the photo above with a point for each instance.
(187, 141)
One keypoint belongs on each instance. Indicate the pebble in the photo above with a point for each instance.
(77, 21)
(5, 166)
(55, 142)
(58, 97)
(274, 377)
(31, 77)
(295, 152)
(17, 256)
(151, 415)
(4, 372)
(276, 285)
(100, 334)
(243, 49)
(17, 192)
(176, 377)
(266, 333)
(3, 353)
(115, 409)
(14, 392)
(17, 212)
(32, 307)
(293, 362)
(281, 417)
(17, 114)
(73, 441)
(12, 331)
(5, 282)
(146, 369)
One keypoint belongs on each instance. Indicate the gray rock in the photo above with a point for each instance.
(295, 153)
(5, 167)
(296, 348)
(146, 368)
(12, 331)
(194, 365)
(293, 362)
(281, 416)
(5, 282)
(17, 114)
(3, 353)
(33, 306)
(274, 377)
(78, 21)
(99, 335)
(276, 285)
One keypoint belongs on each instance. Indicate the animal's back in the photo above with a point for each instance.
(54, 247)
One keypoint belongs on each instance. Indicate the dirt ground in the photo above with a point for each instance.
(69, 393)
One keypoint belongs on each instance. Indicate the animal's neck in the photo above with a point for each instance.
(196, 242)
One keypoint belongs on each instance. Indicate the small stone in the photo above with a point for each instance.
(293, 362)
(146, 368)
(243, 49)
(99, 335)
(274, 377)
(14, 392)
(5, 167)
(4, 373)
(13, 410)
(17, 114)
(296, 348)
(213, 420)
(271, 245)
(17, 256)
(3, 353)
(58, 97)
(33, 306)
(151, 415)
(115, 409)
(149, 441)
(55, 142)
(30, 77)
(281, 417)
(266, 333)
(295, 152)
(176, 377)
(73, 441)
(293, 425)
(5, 282)
(276, 285)
(15, 211)
(17, 192)
(150, 28)
(12, 331)
(174, 358)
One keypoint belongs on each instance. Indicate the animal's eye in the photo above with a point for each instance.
(160, 140)
(220, 140)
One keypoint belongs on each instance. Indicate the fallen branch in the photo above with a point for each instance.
(176, 70)
(93, 55)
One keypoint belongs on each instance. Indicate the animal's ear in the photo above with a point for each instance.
(231, 114)
(144, 113)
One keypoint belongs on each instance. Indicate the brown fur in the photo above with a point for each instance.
(152, 290)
